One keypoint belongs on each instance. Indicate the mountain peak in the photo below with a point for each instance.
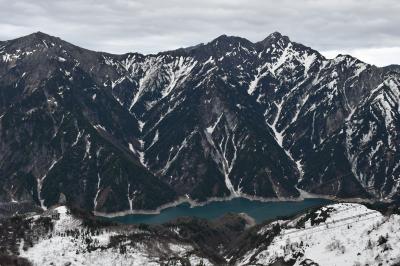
(228, 39)
(348, 59)
(35, 38)
(221, 43)
(37, 41)
(38, 36)
(275, 34)
(273, 38)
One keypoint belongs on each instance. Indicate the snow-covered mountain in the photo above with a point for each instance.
(224, 119)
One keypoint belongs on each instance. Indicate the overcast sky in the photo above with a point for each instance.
(367, 29)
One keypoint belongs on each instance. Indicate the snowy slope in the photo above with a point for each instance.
(71, 243)
(339, 234)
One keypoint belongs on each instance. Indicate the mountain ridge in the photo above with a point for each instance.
(275, 35)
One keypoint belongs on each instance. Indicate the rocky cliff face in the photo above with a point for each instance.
(223, 119)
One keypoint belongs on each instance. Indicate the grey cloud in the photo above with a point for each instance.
(155, 25)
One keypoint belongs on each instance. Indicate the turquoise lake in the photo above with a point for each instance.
(259, 211)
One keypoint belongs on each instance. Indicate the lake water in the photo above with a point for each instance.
(259, 211)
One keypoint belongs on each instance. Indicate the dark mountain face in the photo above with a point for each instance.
(224, 119)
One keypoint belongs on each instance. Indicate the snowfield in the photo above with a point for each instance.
(338, 234)
(351, 235)
(63, 249)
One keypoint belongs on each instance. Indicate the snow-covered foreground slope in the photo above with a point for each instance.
(72, 243)
(339, 234)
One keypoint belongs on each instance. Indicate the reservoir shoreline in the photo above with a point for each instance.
(193, 203)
